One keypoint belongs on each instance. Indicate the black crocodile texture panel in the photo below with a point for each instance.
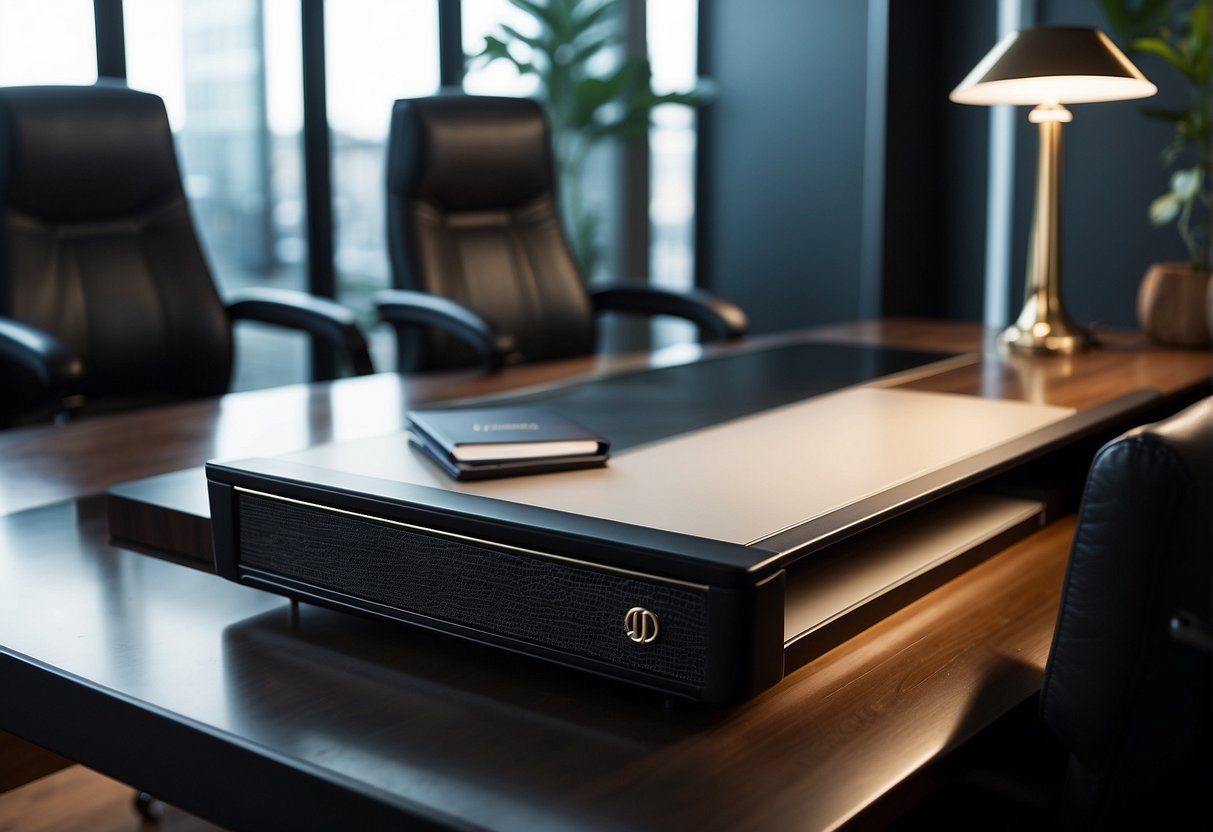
(552, 603)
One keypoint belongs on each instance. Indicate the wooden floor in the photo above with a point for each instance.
(78, 799)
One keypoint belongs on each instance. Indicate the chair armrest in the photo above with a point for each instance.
(57, 368)
(716, 318)
(402, 307)
(326, 320)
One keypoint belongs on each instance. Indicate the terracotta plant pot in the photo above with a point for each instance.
(1173, 305)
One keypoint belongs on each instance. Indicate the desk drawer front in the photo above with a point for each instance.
(495, 590)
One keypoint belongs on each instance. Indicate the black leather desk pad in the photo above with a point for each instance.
(636, 408)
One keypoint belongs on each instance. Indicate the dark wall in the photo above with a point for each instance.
(936, 161)
(782, 158)
(783, 164)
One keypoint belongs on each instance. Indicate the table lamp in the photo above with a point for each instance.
(1050, 67)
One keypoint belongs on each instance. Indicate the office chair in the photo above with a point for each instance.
(1129, 701)
(1120, 735)
(106, 300)
(482, 269)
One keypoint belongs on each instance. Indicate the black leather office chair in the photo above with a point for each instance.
(106, 300)
(1120, 736)
(1130, 702)
(479, 256)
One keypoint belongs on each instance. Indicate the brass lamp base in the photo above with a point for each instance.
(1059, 337)
(1043, 327)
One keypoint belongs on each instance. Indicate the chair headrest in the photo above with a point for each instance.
(90, 152)
(467, 152)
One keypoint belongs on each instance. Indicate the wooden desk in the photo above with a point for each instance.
(211, 696)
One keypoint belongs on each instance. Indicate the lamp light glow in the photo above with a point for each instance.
(1049, 67)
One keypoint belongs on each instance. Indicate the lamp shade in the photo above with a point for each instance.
(1053, 65)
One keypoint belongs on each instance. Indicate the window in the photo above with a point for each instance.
(47, 42)
(589, 191)
(672, 27)
(229, 72)
(376, 51)
(672, 32)
(482, 18)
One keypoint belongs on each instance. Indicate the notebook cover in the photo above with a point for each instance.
(438, 432)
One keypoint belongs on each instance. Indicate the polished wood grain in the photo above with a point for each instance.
(1123, 362)
(80, 800)
(817, 750)
(232, 691)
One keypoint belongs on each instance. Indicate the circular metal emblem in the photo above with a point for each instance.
(640, 625)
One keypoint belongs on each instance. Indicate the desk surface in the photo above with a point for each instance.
(134, 665)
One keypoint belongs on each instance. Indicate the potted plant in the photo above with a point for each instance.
(586, 105)
(1174, 299)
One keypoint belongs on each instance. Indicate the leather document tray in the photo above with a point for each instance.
(755, 513)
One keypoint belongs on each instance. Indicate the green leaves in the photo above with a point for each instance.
(1163, 49)
(1130, 21)
(586, 105)
(1185, 184)
(1185, 187)
(1179, 38)
(1177, 31)
(1178, 205)
(1164, 209)
(495, 49)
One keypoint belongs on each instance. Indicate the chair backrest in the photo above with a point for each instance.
(1131, 703)
(472, 216)
(97, 246)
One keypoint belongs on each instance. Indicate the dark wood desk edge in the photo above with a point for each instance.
(129, 740)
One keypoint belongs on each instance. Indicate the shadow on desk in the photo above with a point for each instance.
(1011, 775)
(1001, 776)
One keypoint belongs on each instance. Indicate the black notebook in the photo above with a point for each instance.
(478, 443)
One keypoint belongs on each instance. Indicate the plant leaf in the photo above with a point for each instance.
(1185, 184)
(1162, 48)
(1199, 44)
(1199, 25)
(592, 18)
(693, 98)
(589, 50)
(1164, 113)
(1118, 18)
(536, 43)
(1171, 152)
(589, 95)
(494, 50)
(540, 12)
(1164, 209)
(1154, 14)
